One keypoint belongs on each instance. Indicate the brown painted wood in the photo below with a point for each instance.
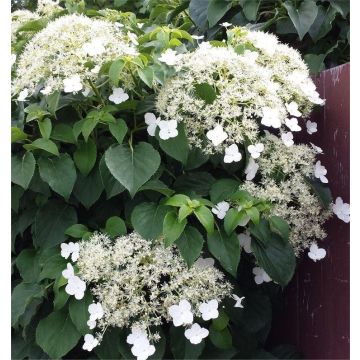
(315, 316)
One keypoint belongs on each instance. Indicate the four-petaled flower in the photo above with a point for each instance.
(209, 310)
(238, 301)
(260, 275)
(170, 57)
(292, 124)
(141, 348)
(245, 242)
(221, 209)
(91, 324)
(72, 84)
(90, 342)
(316, 253)
(23, 94)
(96, 311)
(152, 121)
(196, 333)
(168, 129)
(70, 249)
(311, 127)
(181, 313)
(270, 117)
(320, 172)
(287, 138)
(76, 287)
(95, 47)
(256, 150)
(341, 210)
(68, 272)
(136, 335)
(293, 109)
(202, 263)
(217, 135)
(118, 96)
(251, 169)
(232, 154)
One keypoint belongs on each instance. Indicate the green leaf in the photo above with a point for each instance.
(115, 226)
(146, 75)
(222, 189)
(16, 193)
(194, 182)
(21, 297)
(53, 267)
(88, 189)
(157, 185)
(221, 322)
(34, 112)
(190, 245)
(118, 130)
(56, 334)
(276, 258)
(79, 313)
(206, 218)
(182, 348)
(17, 134)
(232, 219)
(315, 62)
(113, 345)
(147, 219)
(63, 133)
(196, 158)
(89, 124)
(60, 298)
(205, 92)
(323, 22)
(45, 128)
(216, 10)
(177, 200)
(226, 249)
(111, 185)
(28, 264)
(221, 339)
(303, 16)
(132, 167)
(254, 214)
(51, 222)
(115, 70)
(184, 212)
(279, 226)
(198, 12)
(250, 8)
(52, 102)
(22, 169)
(322, 192)
(85, 157)
(76, 231)
(177, 147)
(172, 228)
(59, 173)
(43, 144)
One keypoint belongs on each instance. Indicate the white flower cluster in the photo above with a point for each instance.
(140, 285)
(18, 19)
(68, 53)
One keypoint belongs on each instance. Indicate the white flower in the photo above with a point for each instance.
(133, 38)
(288, 138)
(168, 129)
(95, 47)
(255, 150)
(140, 25)
(221, 209)
(47, 90)
(95, 69)
(293, 109)
(137, 334)
(70, 249)
(13, 59)
(245, 242)
(309, 89)
(68, 272)
(90, 342)
(292, 124)
(209, 310)
(217, 135)
(152, 121)
(143, 349)
(270, 117)
(316, 253)
(96, 311)
(76, 287)
(197, 37)
(196, 333)
(238, 301)
(341, 210)
(118, 96)
(260, 275)
(181, 313)
(320, 172)
(251, 169)
(202, 263)
(226, 24)
(251, 55)
(232, 154)
(91, 324)
(72, 84)
(311, 127)
(205, 45)
(170, 57)
(318, 149)
(23, 94)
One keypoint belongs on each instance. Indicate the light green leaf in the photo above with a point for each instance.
(146, 75)
(76, 231)
(206, 218)
(177, 200)
(22, 169)
(232, 219)
(85, 157)
(43, 144)
(17, 134)
(45, 128)
(132, 167)
(115, 226)
(172, 228)
(115, 70)
(190, 244)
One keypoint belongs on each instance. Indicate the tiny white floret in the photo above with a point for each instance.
(72, 84)
(23, 94)
(202, 263)
(170, 57)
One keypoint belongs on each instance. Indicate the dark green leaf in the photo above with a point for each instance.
(279, 226)
(198, 12)
(190, 245)
(222, 189)
(196, 158)
(115, 71)
(111, 185)
(53, 266)
(157, 185)
(76, 231)
(22, 169)
(182, 348)
(221, 322)
(216, 10)
(250, 8)
(45, 127)
(64, 133)
(118, 130)
(221, 339)
(322, 192)
(194, 182)
(115, 226)
(205, 92)
(43, 144)
(232, 219)
(79, 313)
(52, 102)
(28, 264)
(146, 75)
(85, 157)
